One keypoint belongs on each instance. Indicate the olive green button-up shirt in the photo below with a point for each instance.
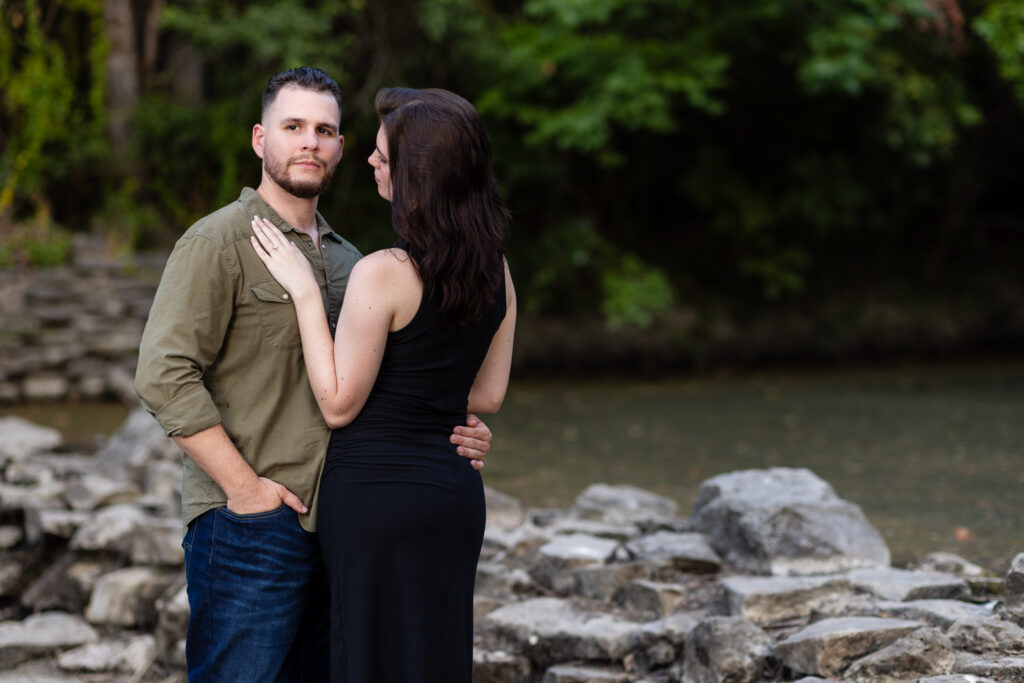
(222, 345)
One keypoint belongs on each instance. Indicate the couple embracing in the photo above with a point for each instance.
(298, 414)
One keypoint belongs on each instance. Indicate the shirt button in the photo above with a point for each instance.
(285, 295)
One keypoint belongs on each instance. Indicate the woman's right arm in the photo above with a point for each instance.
(488, 391)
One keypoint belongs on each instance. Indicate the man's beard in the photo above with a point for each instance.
(278, 172)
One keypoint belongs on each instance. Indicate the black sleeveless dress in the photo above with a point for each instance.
(401, 514)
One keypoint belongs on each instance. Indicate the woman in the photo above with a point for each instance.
(424, 336)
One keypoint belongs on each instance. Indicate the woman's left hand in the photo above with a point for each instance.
(283, 259)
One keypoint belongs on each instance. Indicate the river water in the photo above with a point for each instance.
(933, 454)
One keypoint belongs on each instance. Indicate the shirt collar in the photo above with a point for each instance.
(254, 203)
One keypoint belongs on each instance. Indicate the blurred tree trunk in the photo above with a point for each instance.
(122, 74)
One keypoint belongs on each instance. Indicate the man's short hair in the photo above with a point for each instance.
(307, 77)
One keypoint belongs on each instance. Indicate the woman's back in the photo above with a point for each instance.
(425, 376)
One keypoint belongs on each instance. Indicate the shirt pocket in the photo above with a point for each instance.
(277, 315)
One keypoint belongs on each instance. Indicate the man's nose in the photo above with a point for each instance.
(310, 140)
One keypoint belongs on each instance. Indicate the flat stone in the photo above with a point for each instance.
(686, 552)
(1000, 669)
(157, 542)
(569, 673)
(826, 647)
(497, 580)
(10, 536)
(126, 655)
(767, 599)
(41, 635)
(93, 491)
(626, 504)
(949, 563)
(593, 527)
(55, 522)
(45, 386)
(600, 582)
(903, 584)
(550, 630)
(13, 497)
(562, 554)
(110, 529)
(924, 652)
(939, 613)
(499, 667)
(954, 678)
(20, 438)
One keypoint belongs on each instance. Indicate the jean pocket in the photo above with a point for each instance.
(253, 516)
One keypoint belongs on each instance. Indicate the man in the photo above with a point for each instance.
(221, 368)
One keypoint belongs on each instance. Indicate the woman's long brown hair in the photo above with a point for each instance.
(445, 202)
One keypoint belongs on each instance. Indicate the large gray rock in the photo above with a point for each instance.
(726, 649)
(767, 599)
(20, 438)
(987, 636)
(785, 521)
(550, 630)
(65, 585)
(41, 635)
(626, 504)
(827, 647)
(127, 597)
(924, 652)
(139, 440)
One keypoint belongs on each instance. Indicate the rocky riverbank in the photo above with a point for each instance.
(771, 577)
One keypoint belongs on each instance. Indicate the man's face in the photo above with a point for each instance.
(299, 141)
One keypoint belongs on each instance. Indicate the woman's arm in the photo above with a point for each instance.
(488, 391)
(341, 371)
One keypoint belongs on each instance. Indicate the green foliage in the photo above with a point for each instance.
(635, 294)
(50, 99)
(40, 243)
(1001, 24)
(574, 72)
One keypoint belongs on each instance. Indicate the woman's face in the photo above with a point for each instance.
(381, 168)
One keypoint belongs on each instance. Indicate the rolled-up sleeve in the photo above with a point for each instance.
(190, 316)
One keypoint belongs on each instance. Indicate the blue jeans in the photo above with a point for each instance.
(257, 591)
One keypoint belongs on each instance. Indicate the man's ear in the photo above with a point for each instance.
(257, 139)
(341, 146)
